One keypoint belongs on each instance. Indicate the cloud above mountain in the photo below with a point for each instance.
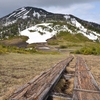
(77, 7)
(59, 2)
(43, 3)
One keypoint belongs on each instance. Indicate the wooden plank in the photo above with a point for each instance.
(38, 89)
(85, 86)
(60, 97)
(84, 90)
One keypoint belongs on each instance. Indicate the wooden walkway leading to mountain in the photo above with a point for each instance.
(85, 86)
(38, 89)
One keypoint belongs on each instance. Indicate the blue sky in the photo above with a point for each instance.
(85, 9)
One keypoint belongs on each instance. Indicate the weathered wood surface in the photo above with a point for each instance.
(38, 88)
(85, 86)
(60, 96)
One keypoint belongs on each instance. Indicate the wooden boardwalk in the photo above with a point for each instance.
(38, 89)
(85, 86)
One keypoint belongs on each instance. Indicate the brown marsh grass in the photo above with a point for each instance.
(93, 62)
(18, 69)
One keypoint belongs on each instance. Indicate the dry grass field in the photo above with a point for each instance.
(93, 63)
(18, 69)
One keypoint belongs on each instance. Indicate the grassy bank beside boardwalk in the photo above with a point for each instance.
(17, 69)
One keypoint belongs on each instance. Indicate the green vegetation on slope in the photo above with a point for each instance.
(66, 36)
(66, 39)
(90, 26)
(14, 49)
(89, 51)
(62, 40)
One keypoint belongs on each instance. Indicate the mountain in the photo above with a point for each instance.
(31, 13)
(39, 25)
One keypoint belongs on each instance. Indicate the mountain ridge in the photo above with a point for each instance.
(24, 18)
(28, 12)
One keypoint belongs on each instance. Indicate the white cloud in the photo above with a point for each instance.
(81, 8)
(77, 8)
(84, 11)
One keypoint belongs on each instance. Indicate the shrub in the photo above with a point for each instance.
(9, 49)
(63, 46)
(88, 51)
(31, 30)
(41, 32)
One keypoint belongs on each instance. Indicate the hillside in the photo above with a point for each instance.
(30, 27)
(41, 32)
(26, 17)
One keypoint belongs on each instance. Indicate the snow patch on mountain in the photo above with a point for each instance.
(22, 13)
(36, 14)
(10, 22)
(41, 32)
(67, 17)
(36, 36)
(25, 15)
(10, 15)
(87, 33)
(90, 36)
